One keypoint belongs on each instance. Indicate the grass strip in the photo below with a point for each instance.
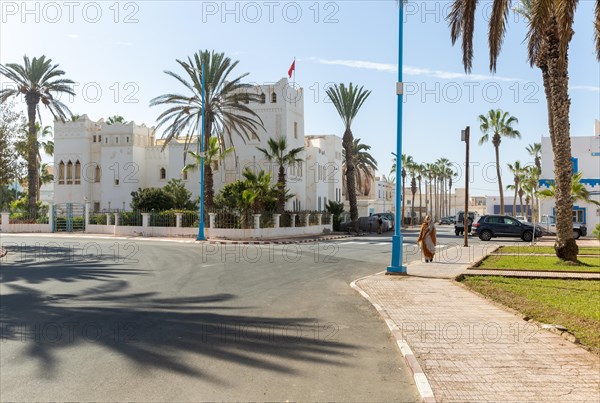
(537, 263)
(574, 304)
(548, 250)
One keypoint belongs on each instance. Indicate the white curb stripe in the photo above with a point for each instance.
(421, 381)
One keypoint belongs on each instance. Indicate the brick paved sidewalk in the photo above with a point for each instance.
(466, 348)
(473, 350)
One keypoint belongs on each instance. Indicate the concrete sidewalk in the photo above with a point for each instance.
(462, 347)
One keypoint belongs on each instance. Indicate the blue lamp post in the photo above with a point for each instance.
(396, 266)
(200, 236)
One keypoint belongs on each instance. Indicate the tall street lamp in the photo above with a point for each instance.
(200, 236)
(465, 136)
(396, 266)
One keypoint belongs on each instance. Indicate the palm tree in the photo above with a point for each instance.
(44, 177)
(444, 173)
(412, 170)
(535, 150)
(498, 124)
(448, 174)
(44, 142)
(420, 169)
(347, 102)
(277, 152)
(116, 119)
(578, 191)
(214, 154)
(529, 185)
(517, 171)
(364, 163)
(406, 160)
(429, 170)
(549, 35)
(40, 81)
(225, 111)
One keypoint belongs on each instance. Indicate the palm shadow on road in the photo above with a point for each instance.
(147, 329)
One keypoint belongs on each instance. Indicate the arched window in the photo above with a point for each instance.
(97, 174)
(77, 172)
(273, 97)
(163, 173)
(69, 173)
(61, 173)
(263, 98)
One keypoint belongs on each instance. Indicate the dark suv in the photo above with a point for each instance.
(491, 226)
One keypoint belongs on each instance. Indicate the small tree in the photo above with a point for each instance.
(151, 199)
(335, 208)
(180, 195)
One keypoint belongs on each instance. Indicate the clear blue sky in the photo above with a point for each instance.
(346, 41)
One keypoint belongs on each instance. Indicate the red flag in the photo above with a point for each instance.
(292, 68)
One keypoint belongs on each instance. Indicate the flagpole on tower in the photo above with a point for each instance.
(294, 82)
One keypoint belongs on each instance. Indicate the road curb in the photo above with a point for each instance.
(277, 242)
(419, 376)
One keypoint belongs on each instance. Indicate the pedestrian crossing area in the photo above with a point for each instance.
(379, 243)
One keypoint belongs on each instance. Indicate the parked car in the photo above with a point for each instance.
(389, 216)
(549, 226)
(491, 226)
(522, 218)
(373, 221)
(445, 221)
(459, 224)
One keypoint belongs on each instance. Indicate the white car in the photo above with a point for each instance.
(522, 219)
(549, 225)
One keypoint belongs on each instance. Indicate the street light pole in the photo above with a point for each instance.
(200, 236)
(396, 266)
(466, 134)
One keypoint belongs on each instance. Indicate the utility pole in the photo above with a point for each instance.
(465, 137)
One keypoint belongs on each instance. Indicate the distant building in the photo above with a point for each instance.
(585, 152)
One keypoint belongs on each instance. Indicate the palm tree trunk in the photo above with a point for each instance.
(347, 141)
(281, 188)
(497, 150)
(430, 205)
(565, 246)
(209, 191)
(412, 209)
(521, 203)
(403, 198)
(435, 195)
(515, 201)
(420, 204)
(32, 152)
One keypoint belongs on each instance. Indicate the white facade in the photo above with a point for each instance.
(102, 164)
(585, 152)
(324, 170)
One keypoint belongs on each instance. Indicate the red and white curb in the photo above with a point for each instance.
(419, 376)
(278, 242)
(177, 240)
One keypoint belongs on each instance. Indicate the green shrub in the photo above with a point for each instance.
(596, 232)
(131, 219)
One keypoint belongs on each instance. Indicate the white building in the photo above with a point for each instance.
(323, 163)
(102, 164)
(585, 152)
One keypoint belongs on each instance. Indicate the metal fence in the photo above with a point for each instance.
(40, 216)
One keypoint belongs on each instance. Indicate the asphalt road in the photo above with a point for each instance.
(86, 319)
(112, 320)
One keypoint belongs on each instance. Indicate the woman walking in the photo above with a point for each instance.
(427, 239)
